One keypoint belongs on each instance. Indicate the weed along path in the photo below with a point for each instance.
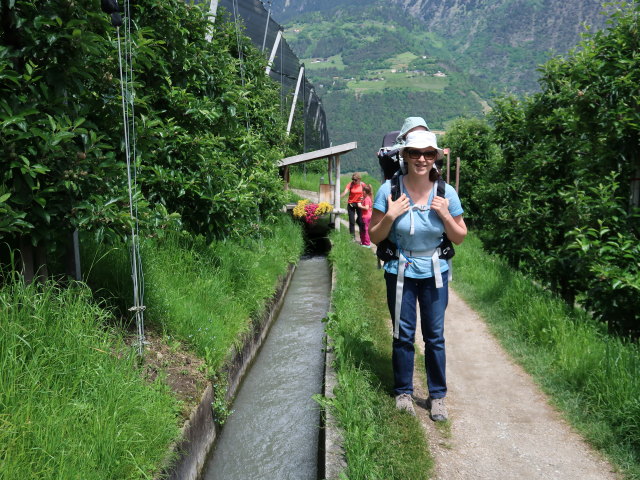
(501, 424)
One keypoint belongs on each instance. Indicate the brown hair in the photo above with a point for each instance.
(367, 189)
(356, 176)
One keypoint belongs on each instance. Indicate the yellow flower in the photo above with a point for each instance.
(324, 207)
(298, 210)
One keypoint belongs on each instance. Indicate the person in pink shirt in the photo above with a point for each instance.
(366, 206)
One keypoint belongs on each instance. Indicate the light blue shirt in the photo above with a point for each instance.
(428, 230)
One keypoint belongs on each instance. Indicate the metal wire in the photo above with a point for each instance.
(128, 120)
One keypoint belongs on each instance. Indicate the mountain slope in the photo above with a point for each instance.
(373, 62)
(500, 42)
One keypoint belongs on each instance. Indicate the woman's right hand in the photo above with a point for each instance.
(397, 208)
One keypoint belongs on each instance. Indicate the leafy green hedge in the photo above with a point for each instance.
(209, 126)
(549, 187)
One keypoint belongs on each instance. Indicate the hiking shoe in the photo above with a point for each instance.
(405, 402)
(438, 410)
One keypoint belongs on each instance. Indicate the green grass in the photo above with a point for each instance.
(402, 60)
(307, 181)
(207, 295)
(404, 80)
(590, 376)
(380, 442)
(334, 61)
(72, 403)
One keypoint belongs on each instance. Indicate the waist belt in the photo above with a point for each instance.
(402, 265)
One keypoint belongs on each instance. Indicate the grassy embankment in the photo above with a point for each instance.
(74, 403)
(589, 375)
(380, 442)
(206, 295)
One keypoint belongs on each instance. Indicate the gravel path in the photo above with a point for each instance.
(502, 426)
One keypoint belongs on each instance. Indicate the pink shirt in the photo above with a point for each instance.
(367, 202)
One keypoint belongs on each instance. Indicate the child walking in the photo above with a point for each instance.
(366, 205)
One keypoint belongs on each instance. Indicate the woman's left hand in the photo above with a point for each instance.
(441, 207)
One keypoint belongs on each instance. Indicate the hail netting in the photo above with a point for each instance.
(263, 30)
(125, 59)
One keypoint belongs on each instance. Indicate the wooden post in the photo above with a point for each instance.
(448, 167)
(457, 174)
(27, 260)
(34, 262)
(336, 198)
(634, 200)
(286, 177)
(332, 216)
(73, 257)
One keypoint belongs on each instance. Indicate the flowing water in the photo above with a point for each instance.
(273, 432)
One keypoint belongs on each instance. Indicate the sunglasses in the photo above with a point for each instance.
(416, 154)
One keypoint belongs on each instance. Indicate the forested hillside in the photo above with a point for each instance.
(372, 70)
(374, 62)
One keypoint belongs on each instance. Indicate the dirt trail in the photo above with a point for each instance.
(501, 424)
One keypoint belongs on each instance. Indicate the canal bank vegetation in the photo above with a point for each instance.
(76, 402)
(380, 442)
(72, 402)
(203, 294)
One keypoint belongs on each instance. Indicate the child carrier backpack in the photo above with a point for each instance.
(392, 167)
(389, 157)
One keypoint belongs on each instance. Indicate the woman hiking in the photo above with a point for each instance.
(415, 223)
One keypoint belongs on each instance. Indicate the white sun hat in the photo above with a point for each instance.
(421, 139)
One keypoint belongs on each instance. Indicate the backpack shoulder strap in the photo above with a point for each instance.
(441, 187)
(396, 189)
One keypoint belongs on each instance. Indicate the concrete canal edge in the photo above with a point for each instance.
(334, 456)
(199, 433)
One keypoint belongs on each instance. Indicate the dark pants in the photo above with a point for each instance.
(355, 216)
(433, 303)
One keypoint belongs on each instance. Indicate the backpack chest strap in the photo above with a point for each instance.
(402, 265)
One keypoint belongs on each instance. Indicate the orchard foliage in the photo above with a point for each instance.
(209, 125)
(472, 141)
(558, 201)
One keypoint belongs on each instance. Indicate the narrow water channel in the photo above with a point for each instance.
(273, 432)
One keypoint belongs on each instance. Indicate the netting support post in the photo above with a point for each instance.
(273, 52)
(213, 9)
(266, 29)
(295, 99)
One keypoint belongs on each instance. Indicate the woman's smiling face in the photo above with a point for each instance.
(420, 161)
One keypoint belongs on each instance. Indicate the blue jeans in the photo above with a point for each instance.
(433, 302)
